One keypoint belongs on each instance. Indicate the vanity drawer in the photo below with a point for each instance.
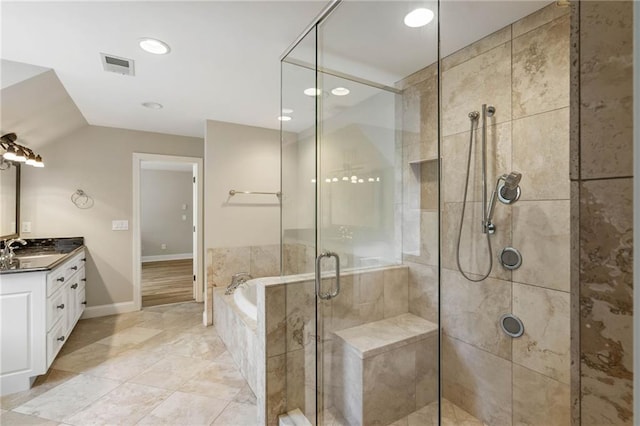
(57, 307)
(65, 272)
(55, 280)
(55, 340)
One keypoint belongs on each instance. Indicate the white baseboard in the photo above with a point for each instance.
(161, 257)
(112, 309)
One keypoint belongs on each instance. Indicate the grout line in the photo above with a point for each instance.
(602, 178)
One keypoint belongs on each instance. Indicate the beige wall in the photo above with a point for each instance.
(247, 159)
(97, 160)
(162, 194)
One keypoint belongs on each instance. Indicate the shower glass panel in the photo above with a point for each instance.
(360, 212)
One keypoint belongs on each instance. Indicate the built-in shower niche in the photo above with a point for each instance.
(425, 173)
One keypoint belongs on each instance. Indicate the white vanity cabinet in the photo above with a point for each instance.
(38, 311)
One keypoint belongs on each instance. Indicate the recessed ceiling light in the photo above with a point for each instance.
(287, 110)
(418, 18)
(340, 91)
(152, 105)
(312, 91)
(284, 118)
(152, 45)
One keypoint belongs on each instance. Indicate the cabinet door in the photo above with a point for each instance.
(16, 315)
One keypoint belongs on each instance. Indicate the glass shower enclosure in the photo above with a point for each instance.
(414, 134)
(360, 189)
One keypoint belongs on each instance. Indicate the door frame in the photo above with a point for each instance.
(198, 206)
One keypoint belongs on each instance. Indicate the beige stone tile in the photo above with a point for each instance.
(481, 46)
(86, 358)
(470, 311)
(368, 287)
(606, 291)
(228, 261)
(387, 385)
(606, 79)
(125, 365)
(541, 234)
(427, 371)
(539, 18)
(541, 154)
(125, 405)
(539, 400)
(221, 381)
(474, 251)
(455, 158)
(12, 418)
(265, 261)
(429, 185)
(541, 69)
(426, 416)
(203, 346)
(245, 396)
(276, 388)
(170, 372)
(42, 384)
(295, 379)
(423, 291)
(275, 321)
(300, 314)
(68, 398)
(237, 414)
(130, 337)
(476, 381)
(544, 347)
(185, 409)
(485, 79)
(605, 400)
(396, 291)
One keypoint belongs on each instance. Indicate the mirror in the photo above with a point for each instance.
(9, 199)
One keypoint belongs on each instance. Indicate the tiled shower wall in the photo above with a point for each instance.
(523, 70)
(602, 181)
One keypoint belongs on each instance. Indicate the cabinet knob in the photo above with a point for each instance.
(61, 338)
(74, 286)
(61, 306)
(84, 259)
(84, 279)
(61, 279)
(75, 268)
(84, 303)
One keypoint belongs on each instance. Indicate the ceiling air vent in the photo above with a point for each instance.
(117, 64)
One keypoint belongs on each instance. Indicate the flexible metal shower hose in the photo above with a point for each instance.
(464, 206)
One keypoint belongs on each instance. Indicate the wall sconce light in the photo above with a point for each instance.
(18, 153)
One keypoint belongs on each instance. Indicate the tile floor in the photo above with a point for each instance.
(159, 366)
(153, 367)
(452, 415)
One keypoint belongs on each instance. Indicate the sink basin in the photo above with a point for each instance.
(37, 260)
(52, 256)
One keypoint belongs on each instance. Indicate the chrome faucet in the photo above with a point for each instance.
(6, 252)
(236, 281)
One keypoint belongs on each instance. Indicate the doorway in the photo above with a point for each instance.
(168, 266)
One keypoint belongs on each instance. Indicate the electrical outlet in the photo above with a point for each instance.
(26, 227)
(184, 217)
(163, 246)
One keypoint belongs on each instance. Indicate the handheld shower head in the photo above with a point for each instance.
(512, 180)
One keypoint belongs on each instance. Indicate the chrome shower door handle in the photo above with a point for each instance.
(336, 291)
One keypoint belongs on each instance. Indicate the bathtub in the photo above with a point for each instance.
(245, 297)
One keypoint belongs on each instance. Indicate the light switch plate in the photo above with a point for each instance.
(119, 225)
(26, 227)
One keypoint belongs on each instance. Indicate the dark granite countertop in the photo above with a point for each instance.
(43, 254)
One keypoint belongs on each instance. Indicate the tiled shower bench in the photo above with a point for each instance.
(386, 369)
